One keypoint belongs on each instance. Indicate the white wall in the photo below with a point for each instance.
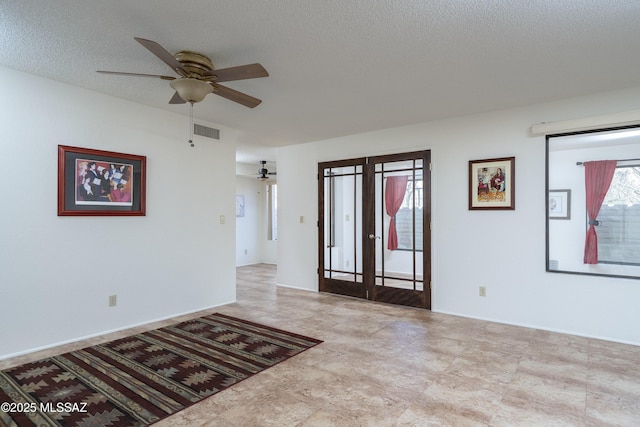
(56, 273)
(248, 227)
(502, 250)
(297, 197)
(252, 243)
(269, 248)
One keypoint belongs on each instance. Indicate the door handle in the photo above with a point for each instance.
(373, 236)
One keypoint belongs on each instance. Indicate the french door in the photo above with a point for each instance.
(374, 228)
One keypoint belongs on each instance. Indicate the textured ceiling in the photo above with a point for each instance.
(336, 67)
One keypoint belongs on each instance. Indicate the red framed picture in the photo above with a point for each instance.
(95, 182)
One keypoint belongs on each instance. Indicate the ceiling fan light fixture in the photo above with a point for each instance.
(191, 90)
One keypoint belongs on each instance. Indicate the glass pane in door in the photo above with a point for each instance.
(399, 200)
(342, 223)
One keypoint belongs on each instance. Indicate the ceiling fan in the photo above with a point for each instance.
(263, 172)
(198, 76)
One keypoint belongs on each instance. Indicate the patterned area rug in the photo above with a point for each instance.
(138, 380)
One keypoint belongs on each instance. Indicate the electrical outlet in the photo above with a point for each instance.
(113, 300)
(483, 291)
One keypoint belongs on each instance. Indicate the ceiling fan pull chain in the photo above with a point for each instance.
(191, 124)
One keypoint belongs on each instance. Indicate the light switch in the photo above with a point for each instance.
(221, 219)
(301, 219)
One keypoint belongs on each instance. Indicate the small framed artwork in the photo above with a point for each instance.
(95, 182)
(492, 183)
(559, 204)
(239, 205)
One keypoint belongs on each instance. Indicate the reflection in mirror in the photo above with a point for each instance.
(593, 202)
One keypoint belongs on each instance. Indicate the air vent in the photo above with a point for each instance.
(205, 131)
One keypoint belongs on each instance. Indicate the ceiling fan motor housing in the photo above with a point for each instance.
(194, 62)
(263, 170)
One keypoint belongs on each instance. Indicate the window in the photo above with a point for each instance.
(272, 207)
(619, 218)
(413, 198)
(566, 246)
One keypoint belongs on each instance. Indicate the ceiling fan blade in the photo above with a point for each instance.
(176, 99)
(241, 72)
(234, 95)
(163, 54)
(118, 73)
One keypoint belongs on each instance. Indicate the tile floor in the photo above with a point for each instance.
(382, 365)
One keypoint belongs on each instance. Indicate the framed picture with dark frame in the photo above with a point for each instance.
(95, 182)
(492, 183)
(559, 204)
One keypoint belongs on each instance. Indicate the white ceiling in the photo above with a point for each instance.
(337, 67)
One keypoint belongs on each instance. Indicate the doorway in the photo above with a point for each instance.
(374, 228)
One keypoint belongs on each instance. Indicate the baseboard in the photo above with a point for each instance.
(295, 287)
(135, 325)
(523, 325)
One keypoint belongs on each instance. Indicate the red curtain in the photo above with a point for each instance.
(597, 177)
(393, 197)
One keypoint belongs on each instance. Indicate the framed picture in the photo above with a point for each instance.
(239, 205)
(559, 204)
(95, 182)
(492, 183)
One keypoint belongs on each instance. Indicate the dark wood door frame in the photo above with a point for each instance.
(328, 284)
(367, 288)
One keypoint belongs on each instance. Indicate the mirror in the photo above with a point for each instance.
(606, 165)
